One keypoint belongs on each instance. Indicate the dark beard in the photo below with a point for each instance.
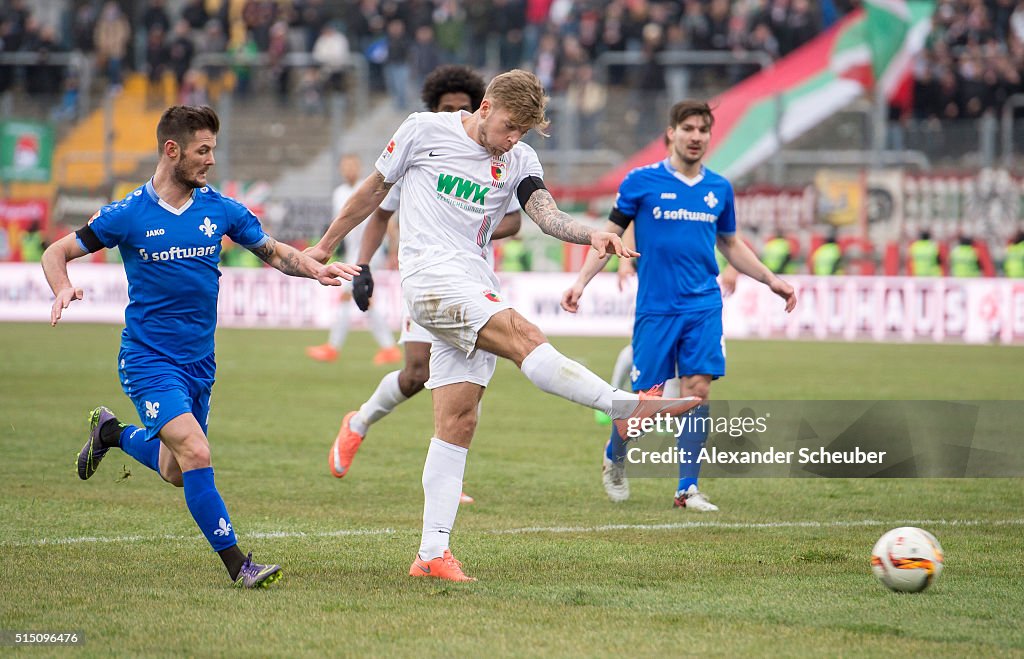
(182, 179)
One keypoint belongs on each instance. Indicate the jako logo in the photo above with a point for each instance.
(154, 232)
(467, 190)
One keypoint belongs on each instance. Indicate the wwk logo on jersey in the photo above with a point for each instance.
(456, 186)
(207, 227)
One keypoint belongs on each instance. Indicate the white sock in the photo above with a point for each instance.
(442, 487)
(386, 397)
(623, 366)
(339, 330)
(379, 328)
(556, 374)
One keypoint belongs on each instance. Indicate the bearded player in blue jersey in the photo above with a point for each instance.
(680, 210)
(169, 235)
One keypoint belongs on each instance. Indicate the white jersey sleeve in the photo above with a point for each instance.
(394, 159)
(390, 203)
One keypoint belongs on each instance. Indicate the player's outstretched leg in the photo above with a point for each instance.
(95, 448)
(613, 469)
(105, 433)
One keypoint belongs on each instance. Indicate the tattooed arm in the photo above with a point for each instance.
(292, 262)
(542, 209)
(367, 197)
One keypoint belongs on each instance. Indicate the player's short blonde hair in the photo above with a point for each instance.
(521, 93)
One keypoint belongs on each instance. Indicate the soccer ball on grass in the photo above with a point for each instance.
(907, 559)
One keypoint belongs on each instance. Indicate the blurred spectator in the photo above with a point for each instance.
(45, 78)
(309, 94)
(507, 21)
(778, 255)
(924, 256)
(82, 27)
(588, 98)
(963, 259)
(827, 258)
(157, 55)
(155, 15)
(331, 52)
(7, 45)
(277, 51)
(243, 46)
(194, 13)
(180, 50)
(67, 108)
(450, 30)
(312, 16)
(213, 41)
(546, 65)
(396, 66)
(1013, 266)
(193, 89)
(111, 38)
(424, 55)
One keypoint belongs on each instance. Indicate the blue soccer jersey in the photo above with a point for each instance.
(677, 221)
(170, 257)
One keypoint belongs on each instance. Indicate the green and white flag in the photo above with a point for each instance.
(777, 105)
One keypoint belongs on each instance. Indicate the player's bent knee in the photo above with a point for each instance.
(418, 376)
(526, 335)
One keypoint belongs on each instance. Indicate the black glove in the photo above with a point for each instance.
(362, 287)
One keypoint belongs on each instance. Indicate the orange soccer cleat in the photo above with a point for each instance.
(323, 353)
(465, 498)
(344, 449)
(650, 405)
(444, 566)
(390, 355)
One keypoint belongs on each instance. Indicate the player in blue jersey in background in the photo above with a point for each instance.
(169, 235)
(680, 211)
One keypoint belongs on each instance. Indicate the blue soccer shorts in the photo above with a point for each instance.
(163, 389)
(669, 346)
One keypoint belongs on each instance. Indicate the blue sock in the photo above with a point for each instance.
(616, 448)
(691, 440)
(207, 508)
(133, 442)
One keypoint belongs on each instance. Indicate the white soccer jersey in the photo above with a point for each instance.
(454, 192)
(391, 205)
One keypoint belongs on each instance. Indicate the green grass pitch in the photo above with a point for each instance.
(781, 570)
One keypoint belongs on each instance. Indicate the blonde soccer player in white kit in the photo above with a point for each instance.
(460, 172)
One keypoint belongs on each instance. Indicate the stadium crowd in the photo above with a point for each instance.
(973, 61)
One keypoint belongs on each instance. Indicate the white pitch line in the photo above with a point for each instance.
(340, 533)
